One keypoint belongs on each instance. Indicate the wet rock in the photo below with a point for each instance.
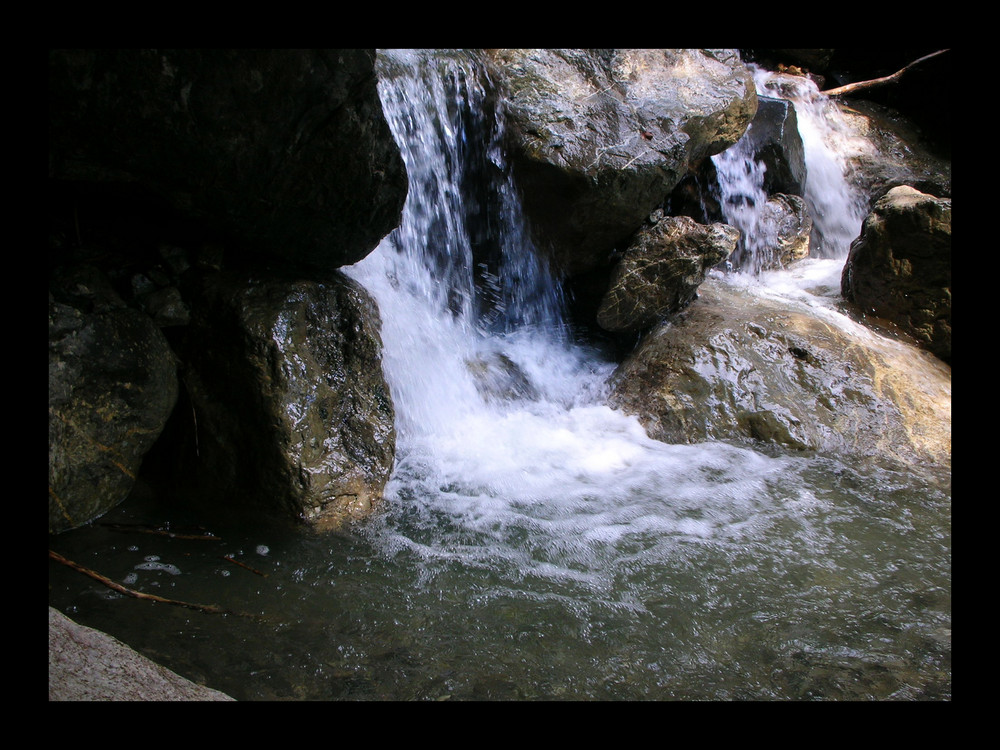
(735, 366)
(601, 137)
(899, 269)
(167, 307)
(895, 154)
(291, 409)
(112, 386)
(498, 378)
(786, 222)
(774, 140)
(660, 272)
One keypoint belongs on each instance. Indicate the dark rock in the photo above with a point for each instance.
(167, 307)
(660, 273)
(774, 140)
(897, 154)
(292, 411)
(899, 268)
(112, 386)
(287, 151)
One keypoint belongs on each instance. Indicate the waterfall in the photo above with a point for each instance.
(534, 544)
(836, 207)
(502, 426)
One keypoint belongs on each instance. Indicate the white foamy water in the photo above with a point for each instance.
(550, 477)
(837, 208)
(534, 544)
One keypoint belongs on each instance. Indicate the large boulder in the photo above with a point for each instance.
(899, 269)
(741, 367)
(289, 406)
(599, 138)
(287, 151)
(112, 387)
(660, 272)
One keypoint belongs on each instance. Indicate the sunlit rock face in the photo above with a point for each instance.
(293, 412)
(600, 137)
(660, 272)
(740, 367)
(899, 268)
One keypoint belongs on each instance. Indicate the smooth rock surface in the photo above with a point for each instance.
(88, 665)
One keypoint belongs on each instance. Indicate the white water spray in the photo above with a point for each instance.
(540, 472)
(836, 207)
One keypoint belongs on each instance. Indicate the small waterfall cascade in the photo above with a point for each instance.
(459, 278)
(533, 543)
(501, 417)
(836, 207)
(742, 199)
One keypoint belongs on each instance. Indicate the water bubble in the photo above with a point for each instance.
(263, 550)
(153, 564)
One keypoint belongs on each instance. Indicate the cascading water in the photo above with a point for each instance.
(836, 207)
(578, 484)
(534, 543)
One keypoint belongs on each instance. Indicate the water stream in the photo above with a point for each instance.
(534, 543)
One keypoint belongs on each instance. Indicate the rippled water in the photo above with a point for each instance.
(533, 543)
(738, 576)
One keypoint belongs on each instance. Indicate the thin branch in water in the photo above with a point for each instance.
(140, 529)
(234, 561)
(210, 608)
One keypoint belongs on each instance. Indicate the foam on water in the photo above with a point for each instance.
(554, 482)
(835, 205)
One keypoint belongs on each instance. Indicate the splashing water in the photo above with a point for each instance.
(548, 504)
(835, 206)
(534, 543)
(548, 463)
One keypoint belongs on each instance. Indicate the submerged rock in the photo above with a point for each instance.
(742, 367)
(899, 268)
(786, 221)
(290, 406)
(498, 378)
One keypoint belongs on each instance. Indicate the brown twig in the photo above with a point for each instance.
(234, 561)
(211, 608)
(859, 85)
(161, 532)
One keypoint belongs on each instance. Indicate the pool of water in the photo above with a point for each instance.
(773, 578)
